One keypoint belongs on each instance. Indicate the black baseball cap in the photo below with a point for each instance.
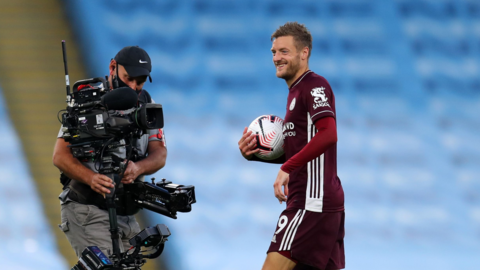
(135, 60)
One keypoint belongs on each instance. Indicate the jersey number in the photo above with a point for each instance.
(282, 222)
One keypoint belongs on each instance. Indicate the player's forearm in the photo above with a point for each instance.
(323, 139)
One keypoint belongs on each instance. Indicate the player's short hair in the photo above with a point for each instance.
(299, 32)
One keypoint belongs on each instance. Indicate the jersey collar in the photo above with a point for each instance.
(300, 79)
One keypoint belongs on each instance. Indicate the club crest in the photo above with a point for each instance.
(320, 99)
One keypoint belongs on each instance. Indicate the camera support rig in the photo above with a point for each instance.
(93, 258)
(97, 121)
(162, 197)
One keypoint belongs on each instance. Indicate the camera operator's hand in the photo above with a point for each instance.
(131, 173)
(101, 183)
(247, 144)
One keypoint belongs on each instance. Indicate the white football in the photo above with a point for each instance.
(269, 134)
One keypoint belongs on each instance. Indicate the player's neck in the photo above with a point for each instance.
(297, 75)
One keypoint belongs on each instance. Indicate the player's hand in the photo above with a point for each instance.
(282, 180)
(101, 183)
(131, 173)
(247, 144)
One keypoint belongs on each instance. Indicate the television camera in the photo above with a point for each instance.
(101, 125)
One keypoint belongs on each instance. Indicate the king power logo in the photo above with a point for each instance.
(319, 97)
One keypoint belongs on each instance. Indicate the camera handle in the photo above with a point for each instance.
(112, 215)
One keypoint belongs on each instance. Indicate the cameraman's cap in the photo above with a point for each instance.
(135, 60)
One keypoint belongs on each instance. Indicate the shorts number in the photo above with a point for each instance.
(282, 222)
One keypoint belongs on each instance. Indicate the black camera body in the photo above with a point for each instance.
(95, 112)
(162, 197)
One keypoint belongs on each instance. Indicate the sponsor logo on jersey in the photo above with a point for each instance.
(288, 129)
(292, 104)
(320, 99)
(288, 125)
(274, 239)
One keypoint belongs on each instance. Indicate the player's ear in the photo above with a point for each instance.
(305, 53)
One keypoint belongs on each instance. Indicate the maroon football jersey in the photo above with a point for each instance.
(314, 186)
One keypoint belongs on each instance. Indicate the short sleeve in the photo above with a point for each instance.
(319, 101)
(156, 135)
(60, 132)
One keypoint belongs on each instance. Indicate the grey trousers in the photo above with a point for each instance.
(88, 225)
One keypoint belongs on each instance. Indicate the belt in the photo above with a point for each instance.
(91, 199)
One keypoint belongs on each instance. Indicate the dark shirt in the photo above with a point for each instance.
(314, 186)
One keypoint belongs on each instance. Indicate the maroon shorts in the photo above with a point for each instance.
(313, 239)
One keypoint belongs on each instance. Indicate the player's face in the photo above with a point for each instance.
(286, 58)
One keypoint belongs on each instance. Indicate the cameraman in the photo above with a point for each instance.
(84, 220)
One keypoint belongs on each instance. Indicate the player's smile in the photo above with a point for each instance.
(280, 66)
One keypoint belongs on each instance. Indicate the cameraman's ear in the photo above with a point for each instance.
(112, 66)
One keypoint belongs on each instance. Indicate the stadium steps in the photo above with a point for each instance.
(32, 76)
(31, 71)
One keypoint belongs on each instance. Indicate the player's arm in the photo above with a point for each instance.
(323, 139)
(74, 169)
(248, 147)
(154, 161)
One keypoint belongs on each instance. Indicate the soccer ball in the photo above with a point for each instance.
(269, 135)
